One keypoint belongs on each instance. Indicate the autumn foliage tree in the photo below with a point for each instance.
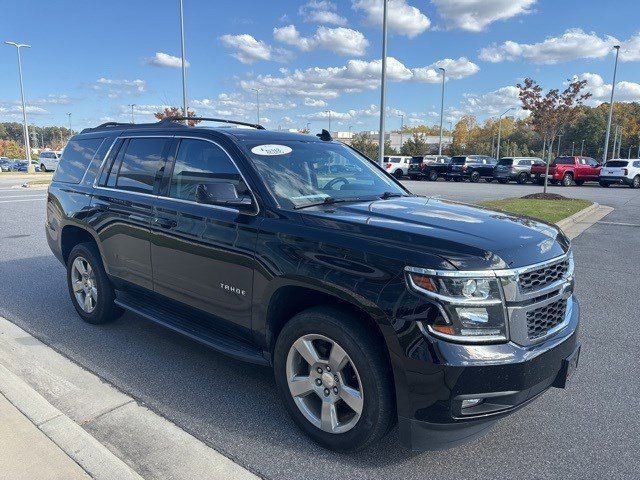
(173, 112)
(550, 111)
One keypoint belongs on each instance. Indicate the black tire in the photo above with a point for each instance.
(503, 180)
(636, 182)
(457, 179)
(447, 179)
(539, 180)
(398, 174)
(43, 168)
(105, 309)
(432, 176)
(605, 184)
(366, 351)
(523, 178)
(567, 180)
(488, 179)
(579, 182)
(474, 177)
(413, 177)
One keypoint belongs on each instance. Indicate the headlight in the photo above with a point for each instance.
(470, 306)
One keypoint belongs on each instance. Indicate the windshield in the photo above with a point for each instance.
(617, 163)
(301, 173)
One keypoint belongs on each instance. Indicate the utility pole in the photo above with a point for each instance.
(401, 115)
(257, 90)
(573, 148)
(629, 156)
(25, 127)
(582, 149)
(441, 109)
(133, 120)
(613, 88)
(383, 83)
(559, 140)
(185, 110)
(500, 131)
(328, 112)
(308, 129)
(70, 131)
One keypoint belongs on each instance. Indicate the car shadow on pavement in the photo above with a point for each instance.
(230, 405)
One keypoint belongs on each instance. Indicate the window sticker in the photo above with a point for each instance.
(270, 150)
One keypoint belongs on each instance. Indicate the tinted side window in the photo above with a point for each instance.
(140, 164)
(202, 162)
(76, 159)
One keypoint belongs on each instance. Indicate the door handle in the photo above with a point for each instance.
(165, 223)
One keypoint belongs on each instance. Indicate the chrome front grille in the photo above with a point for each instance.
(541, 320)
(537, 279)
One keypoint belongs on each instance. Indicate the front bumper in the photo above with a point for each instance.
(504, 175)
(505, 376)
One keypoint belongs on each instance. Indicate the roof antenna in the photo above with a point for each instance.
(325, 136)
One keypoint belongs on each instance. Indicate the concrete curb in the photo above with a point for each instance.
(580, 221)
(105, 431)
(93, 457)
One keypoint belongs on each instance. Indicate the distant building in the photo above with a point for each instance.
(397, 139)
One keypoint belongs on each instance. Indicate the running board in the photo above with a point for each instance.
(196, 326)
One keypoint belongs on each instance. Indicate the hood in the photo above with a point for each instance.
(469, 237)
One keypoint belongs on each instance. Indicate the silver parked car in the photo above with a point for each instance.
(515, 168)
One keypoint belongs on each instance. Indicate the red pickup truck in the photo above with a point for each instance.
(568, 170)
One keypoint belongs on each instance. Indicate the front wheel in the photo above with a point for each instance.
(90, 289)
(43, 168)
(398, 174)
(522, 178)
(334, 379)
(432, 176)
(636, 182)
(474, 177)
(604, 184)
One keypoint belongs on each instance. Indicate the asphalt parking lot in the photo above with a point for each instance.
(589, 430)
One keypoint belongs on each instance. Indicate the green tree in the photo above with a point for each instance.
(416, 145)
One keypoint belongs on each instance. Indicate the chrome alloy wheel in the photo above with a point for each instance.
(324, 383)
(83, 282)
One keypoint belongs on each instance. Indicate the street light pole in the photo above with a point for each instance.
(328, 112)
(133, 120)
(185, 110)
(401, 115)
(582, 149)
(441, 109)
(559, 140)
(257, 90)
(500, 131)
(613, 88)
(308, 129)
(25, 133)
(573, 148)
(70, 132)
(383, 83)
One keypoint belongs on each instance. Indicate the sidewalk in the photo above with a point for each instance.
(26, 453)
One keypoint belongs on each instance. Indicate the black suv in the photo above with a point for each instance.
(372, 305)
(430, 167)
(471, 167)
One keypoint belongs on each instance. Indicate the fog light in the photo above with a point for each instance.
(471, 402)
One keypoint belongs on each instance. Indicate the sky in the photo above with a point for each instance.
(312, 60)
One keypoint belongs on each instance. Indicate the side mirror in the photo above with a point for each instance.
(223, 194)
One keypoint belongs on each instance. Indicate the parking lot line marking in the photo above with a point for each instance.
(21, 196)
(24, 200)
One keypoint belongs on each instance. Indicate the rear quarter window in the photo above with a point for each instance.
(76, 159)
(617, 163)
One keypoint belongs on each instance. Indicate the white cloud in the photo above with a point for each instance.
(53, 100)
(13, 110)
(161, 59)
(314, 102)
(573, 44)
(237, 106)
(630, 50)
(402, 18)
(355, 76)
(115, 88)
(476, 15)
(490, 104)
(601, 91)
(342, 41)
(249, 50)
(455, 70)
(321, 11)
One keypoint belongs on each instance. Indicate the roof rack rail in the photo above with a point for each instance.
(220, 120)
(113, 124)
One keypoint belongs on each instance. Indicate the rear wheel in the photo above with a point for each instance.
(474, 177)
(503, 180)
(333, 380)
(567, 180)
(90, 289)
(43, 168)
(636, 182)
(432, 175)
(398, 174)
(488, 179)
(604, 184)
(522, 178)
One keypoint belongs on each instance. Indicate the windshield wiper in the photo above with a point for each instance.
(386, 195)
(329, 201)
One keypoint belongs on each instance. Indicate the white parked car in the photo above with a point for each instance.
(622, 171)
(398, 166)
(49, 160)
